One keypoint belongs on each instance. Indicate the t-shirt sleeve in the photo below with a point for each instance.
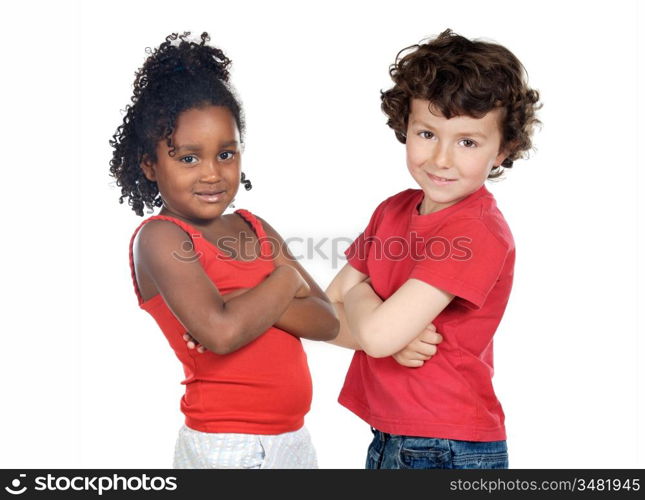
(358, 251)
(465, 259)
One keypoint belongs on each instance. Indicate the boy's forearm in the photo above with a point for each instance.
(311, 318)
(359, 306)
(383, 328)
(345, 337)
(345, 280)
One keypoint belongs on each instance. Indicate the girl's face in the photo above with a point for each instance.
(450, 158)
(203, 176)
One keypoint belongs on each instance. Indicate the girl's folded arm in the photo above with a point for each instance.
(192, 297)
(310, 317)
(383, 328)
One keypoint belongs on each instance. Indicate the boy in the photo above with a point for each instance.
(442, 256)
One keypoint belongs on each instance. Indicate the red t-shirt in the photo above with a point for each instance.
(467, 250)
(263, 387)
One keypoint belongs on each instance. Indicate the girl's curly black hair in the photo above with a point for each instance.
(464, 77)
(174, 78)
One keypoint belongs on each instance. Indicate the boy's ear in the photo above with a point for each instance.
(504, 152)
(148, 168)
(500, 158)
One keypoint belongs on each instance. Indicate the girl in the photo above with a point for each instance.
(228, 280)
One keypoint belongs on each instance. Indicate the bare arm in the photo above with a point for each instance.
(343, 282)
(221, 327)
(384, 328)
(311, 317)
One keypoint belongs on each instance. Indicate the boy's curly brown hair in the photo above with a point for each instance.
(463, 77)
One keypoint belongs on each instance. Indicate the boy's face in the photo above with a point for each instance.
(450, 158)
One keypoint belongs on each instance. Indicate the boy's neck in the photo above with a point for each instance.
(429, 206)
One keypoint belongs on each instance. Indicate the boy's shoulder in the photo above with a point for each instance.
(483, 214)
(395, 207)
(405, 196)
(401, 200)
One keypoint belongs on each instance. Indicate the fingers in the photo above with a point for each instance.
(413, 363)
(404, 360)
(191, 343)
(422, 350)
(430, 337)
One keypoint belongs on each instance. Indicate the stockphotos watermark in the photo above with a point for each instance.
(91, 484)
(395, 248)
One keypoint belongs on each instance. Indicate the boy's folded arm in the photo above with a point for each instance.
(383, 328)
(310, 317)
(220, 326)
(345, 337)
(345, 280)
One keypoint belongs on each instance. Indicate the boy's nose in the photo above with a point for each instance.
(442, 156)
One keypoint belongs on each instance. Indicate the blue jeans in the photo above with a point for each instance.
(390, 451)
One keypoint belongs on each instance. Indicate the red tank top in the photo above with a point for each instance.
(262, 388)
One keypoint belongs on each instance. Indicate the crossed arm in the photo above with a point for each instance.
(221, 324)
(309, 316)
(394, 327)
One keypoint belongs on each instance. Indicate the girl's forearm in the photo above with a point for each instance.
(245, 317)
(311, 318)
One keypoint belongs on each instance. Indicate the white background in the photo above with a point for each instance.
(87, 379)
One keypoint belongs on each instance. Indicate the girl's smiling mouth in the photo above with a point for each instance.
(211, 196)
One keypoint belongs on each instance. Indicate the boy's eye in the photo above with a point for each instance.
(469, 143)
(226, 155)
(426, 134)
(188, 159)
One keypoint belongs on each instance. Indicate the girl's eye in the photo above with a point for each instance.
(469, 143)
(226, 155)
(426, 134)
(188, 159)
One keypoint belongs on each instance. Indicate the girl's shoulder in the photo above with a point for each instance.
(160, 235)
(259, 225)
(161, 228)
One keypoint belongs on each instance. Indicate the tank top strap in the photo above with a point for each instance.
(266, 249)
(190, 230)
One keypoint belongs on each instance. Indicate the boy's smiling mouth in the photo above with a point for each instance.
(441, 181)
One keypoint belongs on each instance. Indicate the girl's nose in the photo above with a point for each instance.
(211, 171)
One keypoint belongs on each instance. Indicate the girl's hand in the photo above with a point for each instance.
(421, 349)
(191, 343)
(303, 290)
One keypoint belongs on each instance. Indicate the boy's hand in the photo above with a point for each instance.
(421, 349)
(191, 342)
